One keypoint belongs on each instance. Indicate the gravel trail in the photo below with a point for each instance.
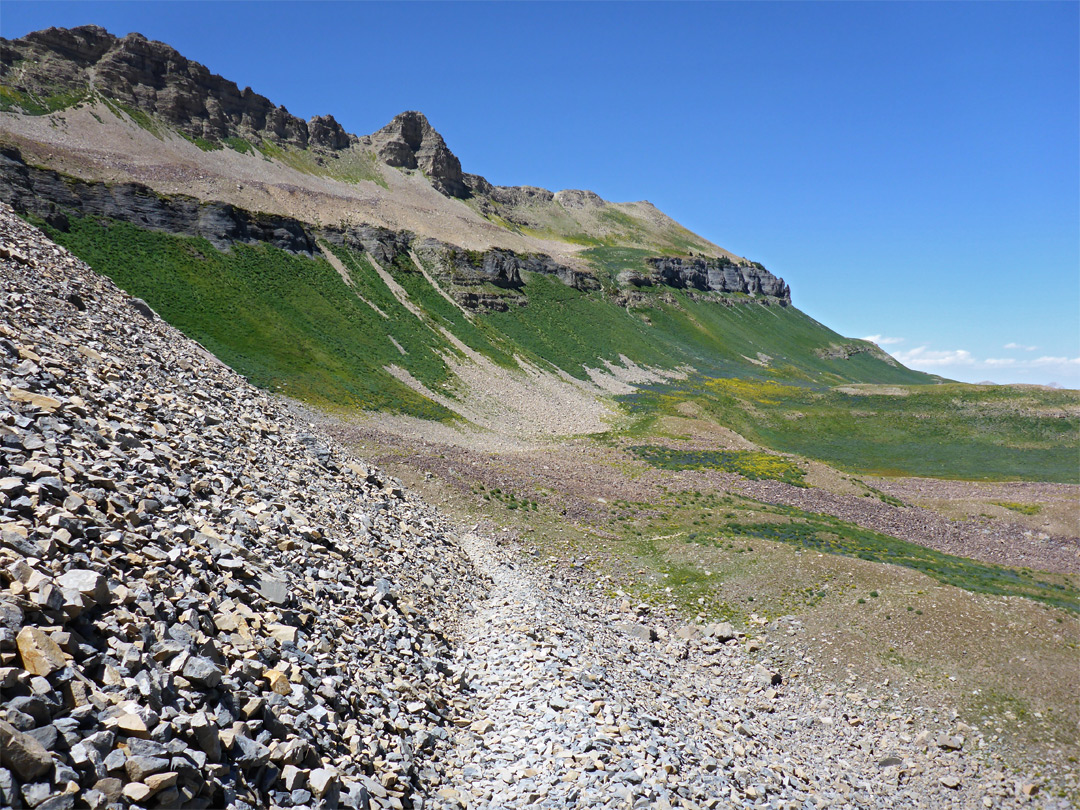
(578, 700)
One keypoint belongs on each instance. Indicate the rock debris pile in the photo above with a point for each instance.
(201, 604)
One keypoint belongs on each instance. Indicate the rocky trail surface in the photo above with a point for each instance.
(204, 603)
(577, 700)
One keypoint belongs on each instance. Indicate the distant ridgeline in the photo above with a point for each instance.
(368, 271)
(53, 197)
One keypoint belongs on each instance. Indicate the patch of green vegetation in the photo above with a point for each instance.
(509, 499)
(140, 117)
(573, 330)
(947, 430)
(753, 465)
(33, 104)
(443, 314)
(881, 496)
(241, 145)
(724, 525)
(1022, 508)
(834, 536)
(350, 166)
(202, 143)
(287, 322)
(609, 261)
(632, 227)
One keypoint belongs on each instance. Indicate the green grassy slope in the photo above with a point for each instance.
(286, 322)
(292, 324)
(951, 430)
(572, 329)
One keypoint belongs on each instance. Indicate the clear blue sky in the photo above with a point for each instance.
(912, 170)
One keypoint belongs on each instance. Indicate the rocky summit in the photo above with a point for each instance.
(207, 603)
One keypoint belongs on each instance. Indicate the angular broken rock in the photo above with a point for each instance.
(279, 682)
(39, 653)
(88, 583)
(766, 677)
(41, 401)
(950, 781)
(284, 633)
(321, 781)
(720, 631)
(481, 726)
(137, 791)
(202, 671)
(21, 752)
(635, 630)
(274, 590)
(138, 768)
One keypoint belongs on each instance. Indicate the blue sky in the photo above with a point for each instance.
(912, 170)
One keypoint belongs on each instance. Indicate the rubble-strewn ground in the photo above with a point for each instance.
(204, 602)
(1006, 666)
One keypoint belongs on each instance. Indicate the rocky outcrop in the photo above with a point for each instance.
(383, 244)
(468, 273)
(842, 351)
(578, 198)
(521, 195)
(410, 142)
(157, 79)
(713, 275)
(54, 197)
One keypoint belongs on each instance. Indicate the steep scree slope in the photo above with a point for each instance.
(203, 604)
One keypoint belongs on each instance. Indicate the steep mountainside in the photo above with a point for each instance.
(121, 99)
(205, 602)
(433, 288)
(720, 555)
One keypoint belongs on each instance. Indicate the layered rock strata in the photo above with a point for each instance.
(55, 197)
(410, 142)
(715, 275)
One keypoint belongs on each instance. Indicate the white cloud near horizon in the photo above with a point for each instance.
(881, 340)
(925, 356)
(1018, 369)
(1020, 346)
(1056, 361)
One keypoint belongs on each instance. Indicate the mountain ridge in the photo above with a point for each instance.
(158, 89)
(99, 132)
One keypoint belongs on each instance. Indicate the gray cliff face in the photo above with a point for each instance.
(54, 197)
(383, 244)
(715, 275)
(469, 270)
(157, 79)
(410, 142)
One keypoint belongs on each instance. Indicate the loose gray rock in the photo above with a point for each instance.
(23, 754)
